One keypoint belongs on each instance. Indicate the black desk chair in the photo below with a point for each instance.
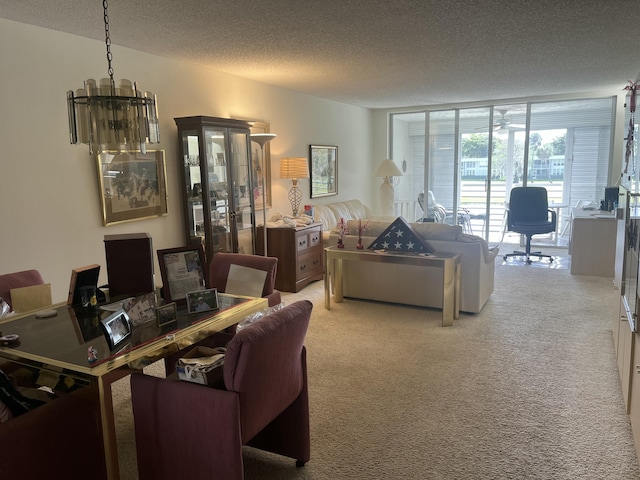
(529, 215)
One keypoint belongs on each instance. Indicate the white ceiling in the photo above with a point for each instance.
(375, 53)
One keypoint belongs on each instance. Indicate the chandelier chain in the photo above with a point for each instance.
(107, 40)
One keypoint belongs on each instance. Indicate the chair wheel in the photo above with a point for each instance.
(529, 261)
(300, 463)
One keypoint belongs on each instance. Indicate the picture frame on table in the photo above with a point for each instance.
(259, 164)
(323, 169)
(116, 328)
(166, 314)
(202, 301)
(133, 186)
(182, 271)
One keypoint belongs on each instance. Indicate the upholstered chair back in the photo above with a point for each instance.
(221, 263)
(26, 278)
(263, 365)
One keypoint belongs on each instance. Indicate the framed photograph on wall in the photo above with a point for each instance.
(259, 164)
(323, 168)
(182, 271)
(133, 186)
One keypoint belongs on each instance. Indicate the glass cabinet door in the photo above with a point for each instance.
(243, 200)
(219, 206)
(218, 192)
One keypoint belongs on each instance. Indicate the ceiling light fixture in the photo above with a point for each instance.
(107, 117)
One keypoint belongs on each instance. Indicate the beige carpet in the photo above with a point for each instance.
(527, 389)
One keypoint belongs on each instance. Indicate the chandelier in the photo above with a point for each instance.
(109, 117)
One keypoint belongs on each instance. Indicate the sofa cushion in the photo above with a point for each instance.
(330, 214)
(437, 231)
(350, 210)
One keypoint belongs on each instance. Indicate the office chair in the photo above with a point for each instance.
(529, 215)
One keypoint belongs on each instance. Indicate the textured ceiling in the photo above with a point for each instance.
(376, 53)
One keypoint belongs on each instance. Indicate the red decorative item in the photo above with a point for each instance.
(342, 227)
(361, 230)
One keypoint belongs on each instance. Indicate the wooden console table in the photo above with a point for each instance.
(448, 263)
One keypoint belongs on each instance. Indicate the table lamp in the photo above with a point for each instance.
(294, 168)
(387, 169)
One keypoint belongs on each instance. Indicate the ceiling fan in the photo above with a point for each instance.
(503, 123)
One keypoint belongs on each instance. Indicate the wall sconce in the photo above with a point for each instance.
(294, 168)
(387, 169)
(107, 117)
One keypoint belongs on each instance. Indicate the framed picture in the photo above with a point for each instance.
(116, 328)
(261, 164)
(133, 186)
(167, 314)
(323, 167)
(182, 271)
(202, 300)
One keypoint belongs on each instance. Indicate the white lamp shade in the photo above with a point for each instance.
(386, 168)
(294, 168)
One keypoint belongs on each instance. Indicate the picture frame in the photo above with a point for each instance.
(202, 301)
(182, 271)
(323, 169)
(82, 277)
(167, 314)
(133, 186)
(258, 164)
(116, 328)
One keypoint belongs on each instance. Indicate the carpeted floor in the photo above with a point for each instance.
(527, 389)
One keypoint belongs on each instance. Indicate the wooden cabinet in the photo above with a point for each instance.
(217, 184)
(299, 252)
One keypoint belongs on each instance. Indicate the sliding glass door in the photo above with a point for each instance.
(465, 161)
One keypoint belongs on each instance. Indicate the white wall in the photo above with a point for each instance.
(49, 198)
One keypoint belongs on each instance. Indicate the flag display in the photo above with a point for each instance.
(400, 237)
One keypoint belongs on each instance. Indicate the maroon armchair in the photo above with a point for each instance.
(221, 262)
(186, 430)
(25, 278)
(61, 439)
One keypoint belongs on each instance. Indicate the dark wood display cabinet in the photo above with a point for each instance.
(217, 184)
(299, 252)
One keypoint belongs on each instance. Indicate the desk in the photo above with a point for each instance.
(448, 263)
(592, 245)
(59, 345)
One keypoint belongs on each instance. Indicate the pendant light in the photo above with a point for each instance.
(109, 117)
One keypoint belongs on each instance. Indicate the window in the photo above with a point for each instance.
(564, 146)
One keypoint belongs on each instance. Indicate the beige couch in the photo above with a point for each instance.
(420, 286)
(329, 215)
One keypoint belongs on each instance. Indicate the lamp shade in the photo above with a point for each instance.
(386, 168)
(294, 168)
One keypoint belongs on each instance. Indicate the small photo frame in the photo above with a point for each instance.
(167, 314)
(116, 328)
(202, 300)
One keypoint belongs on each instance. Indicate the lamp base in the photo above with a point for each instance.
(386, 197)
(295, 197)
